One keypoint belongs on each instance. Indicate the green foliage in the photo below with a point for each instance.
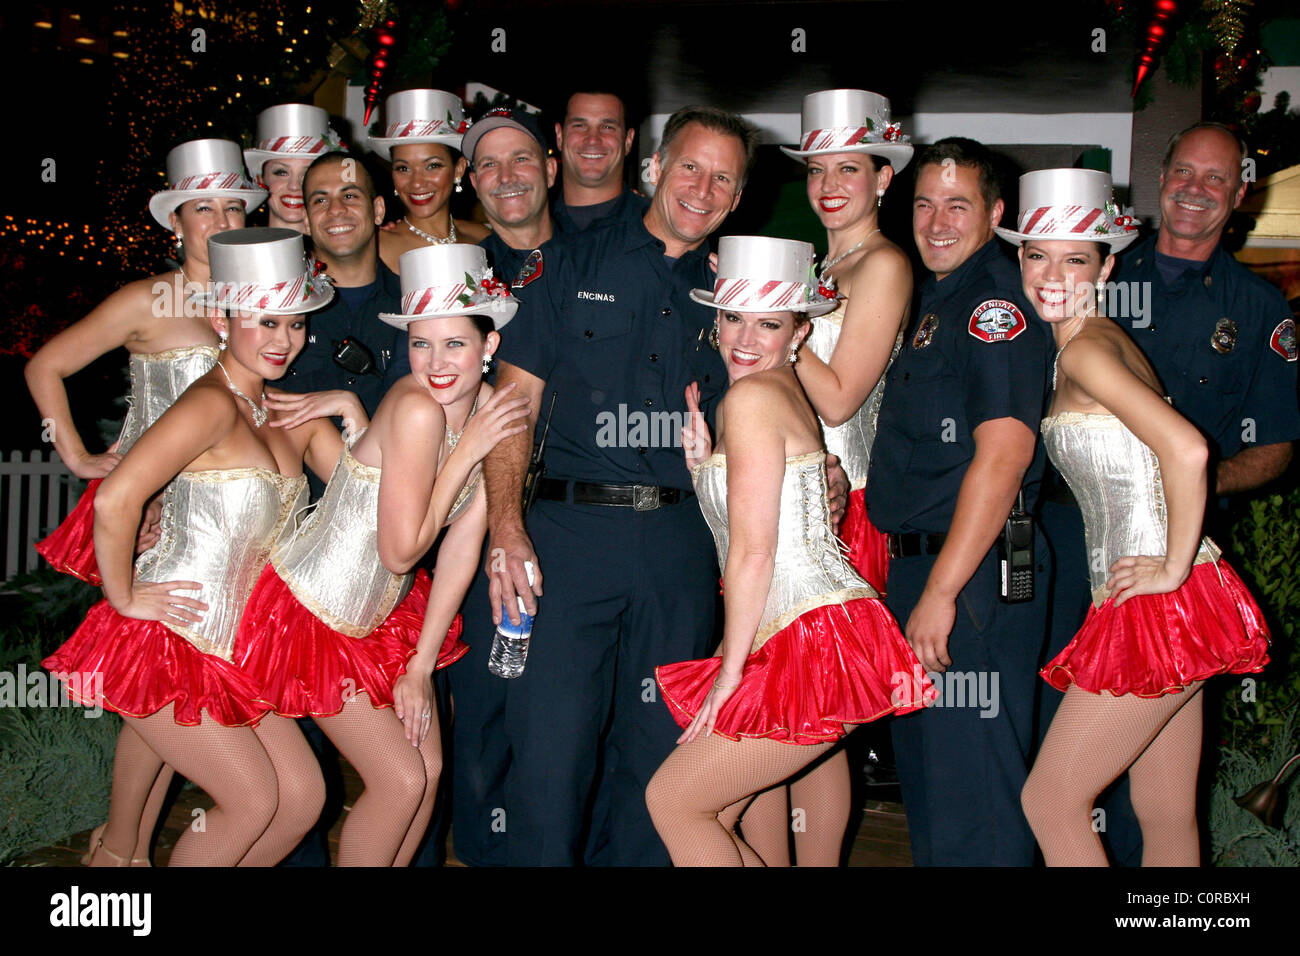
(1259, 735)
(427, 40)
(56, 764)
(1238, 838)
(56, 769)
(1264, 545)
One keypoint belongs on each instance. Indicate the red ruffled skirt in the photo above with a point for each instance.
(305, 668)
(70, 548)
(139, 667)
(826, 669)
(1156, 644)
(868, 548)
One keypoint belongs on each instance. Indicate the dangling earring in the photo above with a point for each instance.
(487, 362)
(794, 353)
(1101, 300)
(458, 186)
(223, 335)
(180, 244)
(395, 193)
(880, 198)
(713, 336)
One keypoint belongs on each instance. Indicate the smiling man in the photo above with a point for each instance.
(626, 556)
(594, 142)
(343, 213)
(1221, 339)
(955, 445)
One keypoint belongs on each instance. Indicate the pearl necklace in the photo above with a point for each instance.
(828, 266)
(259, 414)
(434, 240)
(453, 438)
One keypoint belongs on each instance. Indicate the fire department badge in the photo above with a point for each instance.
(530, 270)
(925, 331)
(996, 320)
(1224, 339)
(1283, 340)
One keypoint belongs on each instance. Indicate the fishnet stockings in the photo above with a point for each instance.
(1092, 740)
(700, 791)
(385, 825)
(248, 774)
(816, 805)
(140, 784)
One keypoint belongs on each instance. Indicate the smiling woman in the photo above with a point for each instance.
(289, 137)
(162, 637)
(809, 651)
(422, 139)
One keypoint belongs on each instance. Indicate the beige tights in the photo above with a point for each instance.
(1093, 739)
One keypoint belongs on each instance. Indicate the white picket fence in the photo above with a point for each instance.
(36, 493)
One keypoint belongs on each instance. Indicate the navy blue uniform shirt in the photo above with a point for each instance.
(610, 328)
(1250, 387)
(315, 369)
(626, 206)
(974, 352)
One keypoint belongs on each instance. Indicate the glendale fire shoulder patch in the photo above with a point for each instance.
(1282, 340)
(996, 320)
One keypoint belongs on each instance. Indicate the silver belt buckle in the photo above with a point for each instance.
(645, 497)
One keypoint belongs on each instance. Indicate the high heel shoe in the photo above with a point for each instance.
(96, 843)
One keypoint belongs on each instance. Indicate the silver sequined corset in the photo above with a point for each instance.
(852, 440)
(218, 528)
(157, 380)
(1116, 480)
(809, 571)
(331, 563)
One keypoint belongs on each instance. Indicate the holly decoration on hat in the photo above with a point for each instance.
(893, 131)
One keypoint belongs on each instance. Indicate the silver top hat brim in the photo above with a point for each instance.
(1116, 241)
(813, 307)
(898, 154)
(500, 310)
(163, 204)
(383, 145)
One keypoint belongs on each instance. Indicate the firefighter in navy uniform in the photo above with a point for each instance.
(620, 545)
(956, 443)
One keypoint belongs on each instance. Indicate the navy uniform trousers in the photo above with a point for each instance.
(625, 591)
(961, 773)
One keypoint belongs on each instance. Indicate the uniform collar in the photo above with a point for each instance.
(956, 281)
(636, 236)
(1143, 255)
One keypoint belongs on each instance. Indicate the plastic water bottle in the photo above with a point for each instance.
(510, 644)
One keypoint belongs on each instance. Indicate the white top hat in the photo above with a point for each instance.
(1070, 204)
(204, 169)
(264, 270)
(291, 131)
(761, 274)
(850, 121)
(421, 116)
(453, 279)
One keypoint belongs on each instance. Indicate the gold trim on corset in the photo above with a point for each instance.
(466, 491)
(778, 624)
(184, 351)
(1208, 553)
(364, 472)
(398, 586)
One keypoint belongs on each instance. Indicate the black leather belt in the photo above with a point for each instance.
(914, 543)
(636, 497)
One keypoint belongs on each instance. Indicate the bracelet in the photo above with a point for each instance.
(718, 685)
